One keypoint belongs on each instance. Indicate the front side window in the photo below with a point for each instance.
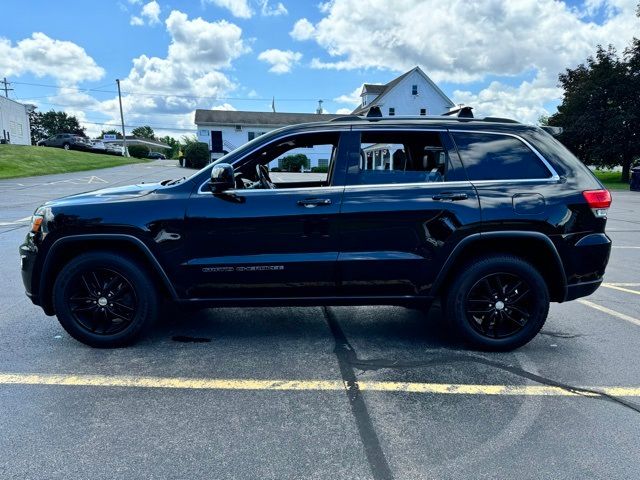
(400, 157)
(488, 156)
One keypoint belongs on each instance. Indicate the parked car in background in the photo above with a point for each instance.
(157, 156)
(68, 141)
(98, 146)
(112, 149)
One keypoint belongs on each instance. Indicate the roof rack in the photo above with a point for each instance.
(346, 118)
(460, 112)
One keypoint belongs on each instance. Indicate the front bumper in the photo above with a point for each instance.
(28, 253)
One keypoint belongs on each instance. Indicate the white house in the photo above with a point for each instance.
(226, 130)
(412, 93)
(14, 122)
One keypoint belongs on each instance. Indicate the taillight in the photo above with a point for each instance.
(599, 201)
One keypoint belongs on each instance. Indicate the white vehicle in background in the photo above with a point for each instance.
(98, 145)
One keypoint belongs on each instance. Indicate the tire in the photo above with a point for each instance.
(488, 320)
(66, 146)
(84, 290)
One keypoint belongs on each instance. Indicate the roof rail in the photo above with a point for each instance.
(460, 112)
(499, 120)
(374, 112)
(346, 118)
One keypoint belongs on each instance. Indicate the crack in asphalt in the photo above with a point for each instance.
(466, 357)
(345, 354)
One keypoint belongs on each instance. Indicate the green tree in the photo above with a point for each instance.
(45, 125)
(294, 163)
(112, 131)
(173, 143)
(138, 151)
(599, 113)
(144, 132)
(196, 155)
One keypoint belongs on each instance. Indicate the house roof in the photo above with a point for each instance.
(232, 117)
(384, 89)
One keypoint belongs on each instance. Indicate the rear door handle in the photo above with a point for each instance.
(452, 196)
(314, 202)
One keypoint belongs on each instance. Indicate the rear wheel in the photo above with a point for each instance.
(498, 303)
(105, 300)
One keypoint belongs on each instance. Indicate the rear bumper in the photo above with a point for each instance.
(584, 289)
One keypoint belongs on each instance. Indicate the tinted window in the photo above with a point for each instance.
(498, 157)
(400, 157)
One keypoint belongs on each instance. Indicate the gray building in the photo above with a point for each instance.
(14, 122)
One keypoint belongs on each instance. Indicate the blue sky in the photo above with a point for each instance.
(500, 56)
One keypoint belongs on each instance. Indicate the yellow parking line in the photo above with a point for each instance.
(613, 313)
(622, 289)
(303, 385)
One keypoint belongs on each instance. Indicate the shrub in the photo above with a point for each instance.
(138, 151)
(196, 155)
(276, 169)
(319, 169)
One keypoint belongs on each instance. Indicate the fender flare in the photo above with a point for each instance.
(139, 244)
(476, 237)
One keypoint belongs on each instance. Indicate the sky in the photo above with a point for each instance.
(502, 57)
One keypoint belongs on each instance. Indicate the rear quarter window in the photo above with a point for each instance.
(488, 156)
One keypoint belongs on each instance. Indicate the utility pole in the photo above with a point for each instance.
(124, 136)
(6, 85)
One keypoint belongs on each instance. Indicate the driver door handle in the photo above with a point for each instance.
(314, 202)
(452, 196)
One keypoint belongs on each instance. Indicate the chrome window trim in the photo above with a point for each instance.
(328, 129)
(554, 175)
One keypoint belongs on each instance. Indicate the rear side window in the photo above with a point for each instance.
(498, 157)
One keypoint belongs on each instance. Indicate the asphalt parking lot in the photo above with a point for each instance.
(340, 392)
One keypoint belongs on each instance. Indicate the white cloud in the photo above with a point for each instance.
(352, 98)
(303, 29)
(150, 12)
(461, 41)
(281, 61)
(269, 11)
(224, 106)
(343, 111)
(238, 8)
(41, 55)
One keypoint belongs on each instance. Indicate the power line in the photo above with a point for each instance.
(172, 95)
(6, 85)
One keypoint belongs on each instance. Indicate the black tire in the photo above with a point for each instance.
(490, 321)
(84, 290)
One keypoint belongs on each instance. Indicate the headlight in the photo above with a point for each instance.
(38, 218)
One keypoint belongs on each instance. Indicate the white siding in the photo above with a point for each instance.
(14, 122)
(404, 103)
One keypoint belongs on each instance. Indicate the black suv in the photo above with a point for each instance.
(494, 218)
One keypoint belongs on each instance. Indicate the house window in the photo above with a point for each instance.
(251, 135)
(238, 128)
(392, 111)
(423, 111)
(414, 89)
(364, 101)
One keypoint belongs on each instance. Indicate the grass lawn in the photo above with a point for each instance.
(24, 161)
(611, 180)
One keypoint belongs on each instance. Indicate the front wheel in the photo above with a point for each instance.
(499, 303)
(105, 300)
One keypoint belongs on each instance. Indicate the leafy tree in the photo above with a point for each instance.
(45, 125)
(138, 151)
(188, 140)
(196, 155)
(600, 109)
(113, 131)
(144, 132)
(294, 163)
(173, 143)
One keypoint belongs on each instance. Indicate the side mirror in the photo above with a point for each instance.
(222, 178)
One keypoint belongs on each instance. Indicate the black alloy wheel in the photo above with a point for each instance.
(105, 299)
(499, 305)
(102, 301)
(498, 302)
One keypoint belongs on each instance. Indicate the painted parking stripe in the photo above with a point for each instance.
(613, 313)
(306, 385)
(621, 288)
(16, 222)
(623, 284)
(622, 246)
